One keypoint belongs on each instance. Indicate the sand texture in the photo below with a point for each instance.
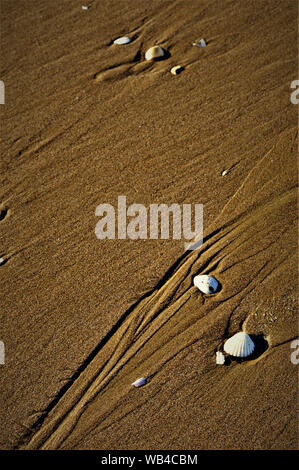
(85, 121)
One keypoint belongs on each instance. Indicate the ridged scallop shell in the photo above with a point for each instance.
(239, 345)
(122, 40)
(154, 53)
(206, 284)
(140, 382)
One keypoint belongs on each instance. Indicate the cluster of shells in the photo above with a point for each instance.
(158, 52)
(240, 345)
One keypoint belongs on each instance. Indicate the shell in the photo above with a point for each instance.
(220, 358)
(176, 69)
(122, 40)
(224, 173)
(140, 382)
(201, 43)
(206, 284)
(2, 261)
(84, 7)
(154, 53)
(239, 345)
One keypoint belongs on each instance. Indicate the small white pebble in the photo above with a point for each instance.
(224, 173)
(84, 7)
(2, 260)
(220, 358)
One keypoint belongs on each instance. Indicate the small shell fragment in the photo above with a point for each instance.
(176, 69)
(220, 358)
(239, 345)
(2, 261)
(122, 40)
(206, 284)
(85, 7)
(140, 382)
(224, 173)
(201, 43)
(154, 53)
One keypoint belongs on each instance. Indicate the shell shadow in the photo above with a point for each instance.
(261, 346)
(166, 56)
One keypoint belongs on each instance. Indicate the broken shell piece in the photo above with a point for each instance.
(239, 345)
(206, 284)
(122, 40)
(224, 173)
(177, 69)
(2, 261)
(139, 382)
(85, 7)
(154, 53)
(201, 43)
(220, 358)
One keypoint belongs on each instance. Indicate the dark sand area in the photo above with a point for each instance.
(85, 121)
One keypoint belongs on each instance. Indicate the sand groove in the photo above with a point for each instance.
(164, 324)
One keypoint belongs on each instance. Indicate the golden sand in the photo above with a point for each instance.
(81, 319)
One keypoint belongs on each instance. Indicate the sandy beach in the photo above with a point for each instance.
(85, 121)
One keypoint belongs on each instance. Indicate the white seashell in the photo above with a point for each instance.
(176, 70)
(220, 358)
(139, 382)
(122, 40)
(201, 43)
(84, 7)
(2, 260)
(154, 53)
(224, 173)
(206, 284)
(239, 345)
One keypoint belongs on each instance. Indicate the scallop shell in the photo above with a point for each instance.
(206, 284)
(220, 358)
(122, 40)
(154, 53)
(140, 382)
(176, 69)
(239, 345)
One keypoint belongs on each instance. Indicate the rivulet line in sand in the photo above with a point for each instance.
(165, 324)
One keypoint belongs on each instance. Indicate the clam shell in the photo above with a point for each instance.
(239, 345)
(176, 69)
(140, 382)
(122, 40)
(206, 284)
(220, 358)
(154, 53)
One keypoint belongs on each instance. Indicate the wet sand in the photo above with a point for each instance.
(85, 121)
